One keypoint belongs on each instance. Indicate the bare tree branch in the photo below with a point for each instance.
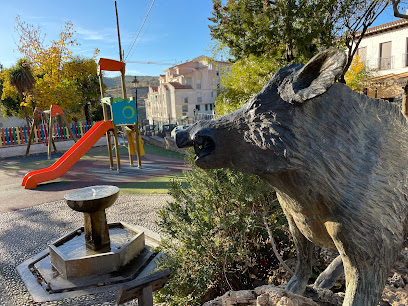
(275, 250)
(357, 28)
(395, 4)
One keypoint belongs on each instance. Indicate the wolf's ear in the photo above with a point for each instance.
(316, 77)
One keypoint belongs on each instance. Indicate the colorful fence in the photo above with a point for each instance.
(19, 135)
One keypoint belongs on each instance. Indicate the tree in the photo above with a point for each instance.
(292, 30)
(357, 17)
(22, 79)
(357, 74)
(60, 78)
(84, 73)
(48, 63)
(246, 78)
(286, 29)
(9, 98)
(396, 9)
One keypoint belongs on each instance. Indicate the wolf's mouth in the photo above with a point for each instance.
(203, 146)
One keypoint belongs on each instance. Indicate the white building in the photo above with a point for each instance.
(186, 92)
(384, 49)
(6, 122)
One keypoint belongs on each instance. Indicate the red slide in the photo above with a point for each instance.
(62, 165)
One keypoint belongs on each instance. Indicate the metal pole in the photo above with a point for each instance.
(122, 79)
(105, 118)
(137, 134)
(122, 72)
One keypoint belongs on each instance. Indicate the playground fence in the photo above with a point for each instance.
(19, 135)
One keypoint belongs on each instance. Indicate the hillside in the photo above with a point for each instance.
(144, 81)
(114, 89)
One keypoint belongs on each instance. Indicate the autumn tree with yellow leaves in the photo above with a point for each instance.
(59, 77)
(357, 74)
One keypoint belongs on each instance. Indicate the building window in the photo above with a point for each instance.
(184, 108)
(188, 81)
(406, 54)
(210, 67)
(198, 107)
(211, 106)
(198, 84)
(199, 99)
(206, 107)
(385, 56)
(186, 100)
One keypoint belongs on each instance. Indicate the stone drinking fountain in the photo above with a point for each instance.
(96, 257)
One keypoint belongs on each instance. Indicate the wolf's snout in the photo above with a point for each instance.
(183, 139)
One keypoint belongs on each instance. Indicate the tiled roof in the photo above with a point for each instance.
(155, 88)
(177, 85)
(386, 27)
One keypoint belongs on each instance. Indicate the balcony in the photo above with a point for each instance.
(386, 63)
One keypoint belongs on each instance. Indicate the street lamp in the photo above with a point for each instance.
(135, 82)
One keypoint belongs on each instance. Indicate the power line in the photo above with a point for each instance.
(140, 40)
(152, 63)
(144, 20)
(140, 22)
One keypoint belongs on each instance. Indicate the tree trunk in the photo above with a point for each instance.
(26, 117)
(87, 112)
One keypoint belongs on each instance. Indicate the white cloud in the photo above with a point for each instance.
(107, 35)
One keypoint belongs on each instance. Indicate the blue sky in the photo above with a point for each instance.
(175, 30)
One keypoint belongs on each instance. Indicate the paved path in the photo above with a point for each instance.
(26, 232)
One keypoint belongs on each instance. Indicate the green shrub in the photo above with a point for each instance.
(216, 240)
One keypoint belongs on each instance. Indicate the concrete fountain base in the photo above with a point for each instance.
(45, 283)
(71, 258)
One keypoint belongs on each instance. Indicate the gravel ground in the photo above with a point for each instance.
(26, 232)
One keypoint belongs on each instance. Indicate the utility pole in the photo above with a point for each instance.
(122, 72)
(135, 127)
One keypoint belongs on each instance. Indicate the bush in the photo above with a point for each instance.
(215, 238)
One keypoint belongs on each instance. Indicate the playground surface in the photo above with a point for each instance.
(91, 169)
(30, 219)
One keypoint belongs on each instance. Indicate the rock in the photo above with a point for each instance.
(396, 280)
(395, 296)
(242, 297)
(324, 297)
(275, 296)
(262, 296)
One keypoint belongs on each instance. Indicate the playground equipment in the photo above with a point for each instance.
(122, 113)
(55, 113)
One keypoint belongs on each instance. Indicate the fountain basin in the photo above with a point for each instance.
(71, 258)
(92, 199)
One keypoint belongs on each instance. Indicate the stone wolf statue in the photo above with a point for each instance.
(338, 162)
